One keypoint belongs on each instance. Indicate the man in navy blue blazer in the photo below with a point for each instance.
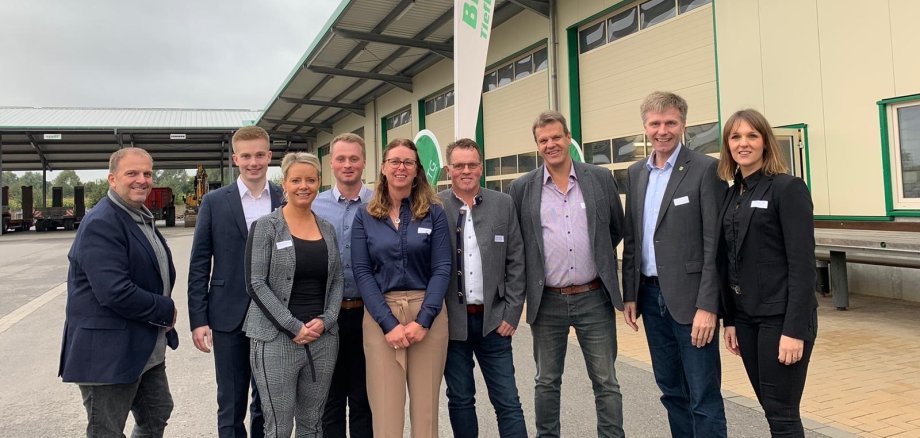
(120, 317)
(217, 300)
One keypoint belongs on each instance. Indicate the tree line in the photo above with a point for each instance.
(178, 180)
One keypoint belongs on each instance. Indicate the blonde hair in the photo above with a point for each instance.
(116, 157)
(773, 163)
(300, 157)
(422, 195)
(250, 133)
(348, 137)
(660, 101)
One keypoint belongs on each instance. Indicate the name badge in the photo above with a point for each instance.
(759, 204)
(583, 206)
(682, 200)
(424, 230)
(284, 244)
(499, 238)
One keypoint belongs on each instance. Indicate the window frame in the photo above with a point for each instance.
(896, 204)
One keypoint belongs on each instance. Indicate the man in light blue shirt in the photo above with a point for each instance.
(338, 206)
(669, 268)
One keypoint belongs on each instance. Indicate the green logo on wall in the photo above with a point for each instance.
(429, 153)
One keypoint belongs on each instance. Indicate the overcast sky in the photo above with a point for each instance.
(152, 54)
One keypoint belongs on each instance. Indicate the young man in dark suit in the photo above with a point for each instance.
(571, 221)
(669, 268)
(120, 315)
(217, 300)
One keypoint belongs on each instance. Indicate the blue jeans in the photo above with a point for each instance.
(493, 352)
(148, 398)
(690, 378)
(592, 316)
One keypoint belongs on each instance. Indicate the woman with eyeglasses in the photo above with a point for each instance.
(401, 259)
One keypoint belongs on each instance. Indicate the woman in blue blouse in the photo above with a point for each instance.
(402, 261)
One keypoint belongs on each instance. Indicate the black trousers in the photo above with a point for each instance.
(234, 379)
(778, 387)
(348, 382)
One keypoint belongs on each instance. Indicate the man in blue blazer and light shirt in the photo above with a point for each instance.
(669, 268)
(217, 299)
(485, 297)
(120, 315)
(571, 221)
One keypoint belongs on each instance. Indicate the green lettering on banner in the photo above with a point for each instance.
(486, 20)
(469, 14)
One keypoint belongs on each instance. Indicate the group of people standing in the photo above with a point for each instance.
(322, 303)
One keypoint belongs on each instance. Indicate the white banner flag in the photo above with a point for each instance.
(472, 29)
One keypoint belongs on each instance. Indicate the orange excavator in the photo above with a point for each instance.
(193, 200)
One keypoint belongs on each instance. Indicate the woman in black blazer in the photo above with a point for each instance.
(767, 262)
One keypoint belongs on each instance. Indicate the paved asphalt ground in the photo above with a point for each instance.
(34, 402)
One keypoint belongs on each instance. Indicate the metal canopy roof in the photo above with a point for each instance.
(83, 138)
(368, 48)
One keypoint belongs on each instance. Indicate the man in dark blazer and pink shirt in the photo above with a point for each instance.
(571, 221)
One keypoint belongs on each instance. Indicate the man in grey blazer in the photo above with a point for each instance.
(571, 221)
(486, 295)
(669, 268)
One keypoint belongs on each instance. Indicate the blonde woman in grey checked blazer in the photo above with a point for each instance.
(295, 279)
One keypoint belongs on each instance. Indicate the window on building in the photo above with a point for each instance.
(490, 82)
(528, 161)
(703, 138)
(597, 152)
(505, 75)
(904, 138)
(622, 24)
(539, 60)
(492, 165)
(439, 102)
(509, 165)
(689, 5)
(592, 37)
(399, 119)
(630, 19)
(627, 149)
(653, 12)
(523, 67)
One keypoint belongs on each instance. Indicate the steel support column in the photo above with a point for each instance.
(839, 285)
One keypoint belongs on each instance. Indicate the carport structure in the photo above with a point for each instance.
(368, 48)
(46, 139)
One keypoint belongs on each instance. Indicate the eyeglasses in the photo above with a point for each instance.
(395, 162)
(461, 166)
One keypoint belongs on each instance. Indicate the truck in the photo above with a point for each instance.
(58, 216)
(162, 203)
(18, 220)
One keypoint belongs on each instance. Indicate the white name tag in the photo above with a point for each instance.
(424, 230)
(682, 200)
(583, 206)
(759, 204)
(499, 238)
(284, 244)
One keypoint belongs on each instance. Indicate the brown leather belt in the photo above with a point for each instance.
(578, 288)
(474, 309)
(352, 303)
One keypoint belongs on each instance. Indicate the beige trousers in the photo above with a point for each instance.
(419, 367)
